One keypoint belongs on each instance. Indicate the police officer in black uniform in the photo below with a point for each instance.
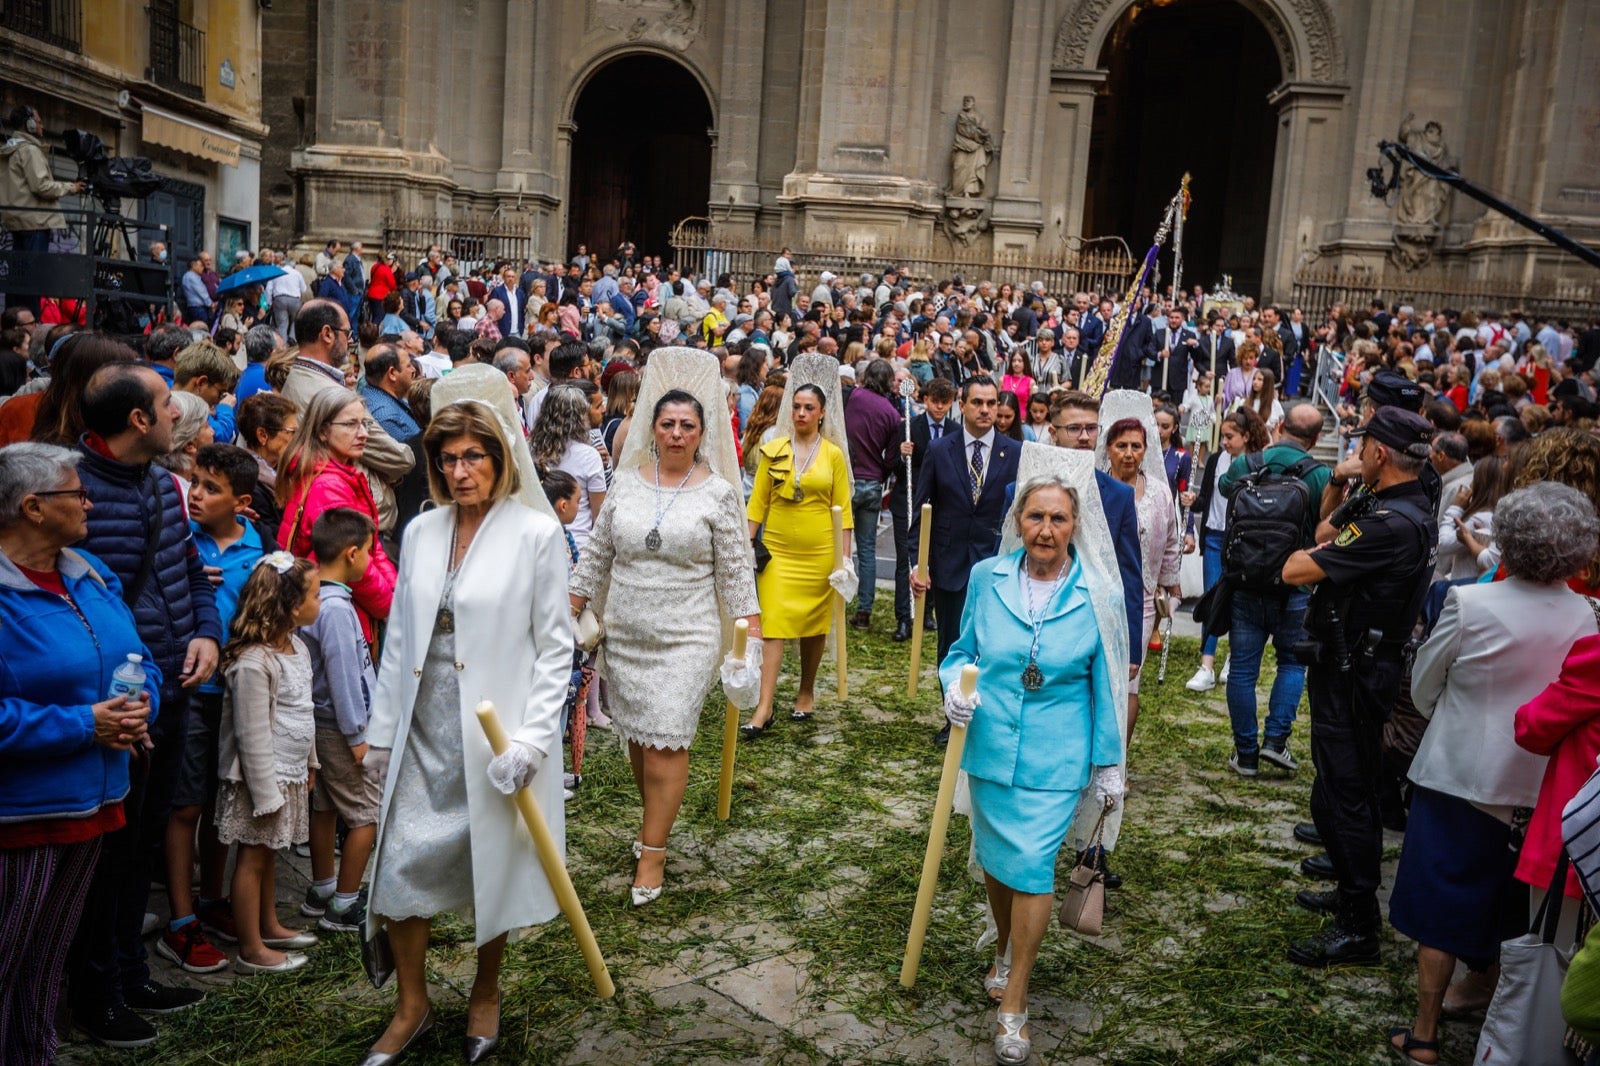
(1370, 581)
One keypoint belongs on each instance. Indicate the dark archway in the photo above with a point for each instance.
(1187, 90)
(641, 155)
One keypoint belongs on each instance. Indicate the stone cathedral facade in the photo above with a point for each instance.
(1003, 125)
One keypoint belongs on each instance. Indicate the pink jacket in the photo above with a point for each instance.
(338, 485)
(1562, 722)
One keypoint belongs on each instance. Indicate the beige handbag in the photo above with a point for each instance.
(1083, 908)
(587, 631)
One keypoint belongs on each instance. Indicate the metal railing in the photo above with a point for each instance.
(57, 22)
(177, 54)
(697, 246)
(472, 239)
(1317, 289)
(95, 259)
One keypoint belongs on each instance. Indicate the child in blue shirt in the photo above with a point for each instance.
(220, 493)
(342, 680)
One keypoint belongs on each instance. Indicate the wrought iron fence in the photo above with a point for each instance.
(57, 22)
(177, 54)
(696, 246)
(473, 239)
(1316, 289)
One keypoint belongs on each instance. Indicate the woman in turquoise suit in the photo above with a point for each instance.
(1043, 725)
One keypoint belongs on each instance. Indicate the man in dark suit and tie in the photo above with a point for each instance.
(1173, 347)
(935, 422)
(1075, 423)
(1092, 327)
(964, 475)
(1215, 350)
(1272, 319)
(1131, 350)
(507, 293)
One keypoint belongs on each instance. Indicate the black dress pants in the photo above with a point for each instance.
(1347, 715)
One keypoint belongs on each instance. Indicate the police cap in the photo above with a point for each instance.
(1404, 431)
(1390, 389)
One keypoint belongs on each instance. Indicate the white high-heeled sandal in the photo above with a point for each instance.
(640, 894)
(1001, 977)
(1011, 1048)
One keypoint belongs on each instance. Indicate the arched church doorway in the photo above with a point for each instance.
(1187, 90)
(641, 155)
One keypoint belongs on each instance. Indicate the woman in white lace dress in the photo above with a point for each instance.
(669, 542)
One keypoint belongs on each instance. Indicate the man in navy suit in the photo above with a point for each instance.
(935, 422)
(508, 294)
(965, 476)
(1215, 342)
(1075, 423)
(1172, 349)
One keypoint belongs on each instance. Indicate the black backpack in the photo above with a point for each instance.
(1268, 516)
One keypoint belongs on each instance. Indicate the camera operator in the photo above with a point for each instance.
(26, 181)
(1370, 581)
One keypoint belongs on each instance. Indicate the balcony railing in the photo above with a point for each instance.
(57, 22)
(177, 54)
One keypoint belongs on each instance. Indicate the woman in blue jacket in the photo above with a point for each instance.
(63, 745)
(1043, 726)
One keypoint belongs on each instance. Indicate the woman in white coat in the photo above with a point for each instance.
(467, 627)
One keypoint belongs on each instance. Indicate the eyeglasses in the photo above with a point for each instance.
(446, 463)
(352, 424)
(1086, 429)
(81, 493)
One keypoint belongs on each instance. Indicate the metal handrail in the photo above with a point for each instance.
(1329, 376)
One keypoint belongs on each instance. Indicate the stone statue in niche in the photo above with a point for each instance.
(970, 152)
(963, 221)
(1420, 206)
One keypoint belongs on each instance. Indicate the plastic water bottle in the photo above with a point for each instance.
(128, 679)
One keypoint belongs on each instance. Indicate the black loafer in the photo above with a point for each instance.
(1337, 945)
(1318, 902)
(1111, 879)
(861, 620)
(902, 632)
(1306, 833)
(1320, 867)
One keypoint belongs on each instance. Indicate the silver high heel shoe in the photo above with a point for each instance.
(642, 895)
(1002, 975)
(477, 1048)
(387, 1058)
(1011, 1048)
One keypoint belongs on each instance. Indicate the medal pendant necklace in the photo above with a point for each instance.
(652, 539)
(1032, 676)
(801, 468)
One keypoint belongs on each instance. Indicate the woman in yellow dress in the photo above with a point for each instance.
(801, 476)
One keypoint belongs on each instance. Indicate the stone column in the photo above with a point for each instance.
(527, 180)
(359, 165)
(1378, 105)
(1017, 216)
(735, 184)
(1068, 123)
(1310, 128)
(866, 90)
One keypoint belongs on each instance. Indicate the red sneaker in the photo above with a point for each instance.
(217, 919)
(189, 948)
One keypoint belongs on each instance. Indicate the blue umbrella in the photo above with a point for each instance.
(251, 275)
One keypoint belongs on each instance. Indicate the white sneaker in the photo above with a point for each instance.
(1204, 680)
(1222, 675)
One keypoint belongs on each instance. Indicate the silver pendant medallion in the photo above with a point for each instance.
(652, 540)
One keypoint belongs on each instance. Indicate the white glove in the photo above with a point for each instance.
(958, 706)
(513, 768)
(845, 582)
(376, 765)
(741, 678)
(1109, 787)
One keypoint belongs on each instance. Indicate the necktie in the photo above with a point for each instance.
(934, 430)
(975, 470)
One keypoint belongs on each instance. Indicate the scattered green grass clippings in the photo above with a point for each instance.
(780, 935)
